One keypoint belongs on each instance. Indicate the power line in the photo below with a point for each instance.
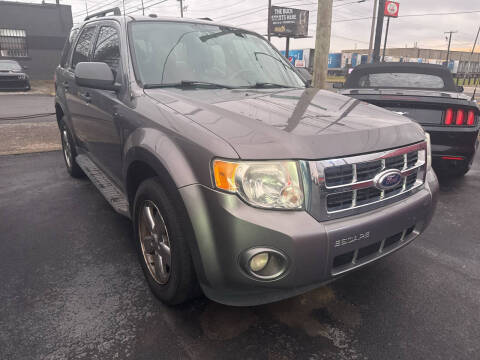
(93, 8)
(415, 15)
(146, 7)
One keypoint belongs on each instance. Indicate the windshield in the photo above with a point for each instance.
(401, 80)
(9, 65)
(169, 53)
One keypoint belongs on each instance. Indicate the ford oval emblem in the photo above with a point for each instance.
(388, 179)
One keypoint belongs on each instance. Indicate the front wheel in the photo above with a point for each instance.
(160, 236)
(69, 152)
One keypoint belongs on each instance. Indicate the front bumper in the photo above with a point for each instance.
(225, 227)
(14, 84)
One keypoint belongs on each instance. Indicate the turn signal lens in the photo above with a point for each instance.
(449, 117)
(224, 173)
(429, 151)
(471, 118)
(460, 117)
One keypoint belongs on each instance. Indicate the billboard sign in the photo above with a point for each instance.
(288, 22)
(391, 9)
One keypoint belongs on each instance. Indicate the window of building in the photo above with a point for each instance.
(84, 44)
(107, 49)
(13, 43)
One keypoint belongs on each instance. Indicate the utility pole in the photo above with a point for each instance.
(269, 16)
(372, 32)
(475, 43)
(181, 8)
(378, 31)
(322, 43)
(143, 9)
(471, 56)
(386, 37)
(449, 43)
(86, 7)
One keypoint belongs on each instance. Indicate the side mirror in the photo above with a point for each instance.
(24, 67)
(460, 89)
(338, 85)
(96, 75)
(306, 76)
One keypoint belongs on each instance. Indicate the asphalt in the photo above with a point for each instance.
(27, 124)
(72, 287)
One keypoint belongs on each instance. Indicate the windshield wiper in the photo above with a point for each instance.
(188, 84)
(225, 31)
(265, 85)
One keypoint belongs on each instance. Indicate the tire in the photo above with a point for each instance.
(175, 281)
(69, 151)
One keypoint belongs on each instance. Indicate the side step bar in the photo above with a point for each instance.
(109, 190)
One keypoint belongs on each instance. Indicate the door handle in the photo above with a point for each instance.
(86, 97)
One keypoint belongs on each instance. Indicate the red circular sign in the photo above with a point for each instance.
(391, 8)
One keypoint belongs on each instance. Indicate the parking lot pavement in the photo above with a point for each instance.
(72, 287)
(26, 124)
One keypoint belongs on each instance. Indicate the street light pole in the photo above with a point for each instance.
(181, 8)
(269, 16)
(372, 32)
(378, 31)
(386, 37)
(143, 9)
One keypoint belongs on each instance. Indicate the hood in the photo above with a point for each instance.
(291, 124)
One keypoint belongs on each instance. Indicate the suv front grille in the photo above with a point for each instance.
(349, 184)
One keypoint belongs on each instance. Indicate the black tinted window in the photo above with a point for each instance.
(107, 49)
(83, 46)
(67, 46)
(401, 80)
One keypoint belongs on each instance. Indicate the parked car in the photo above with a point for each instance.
(235, 175)
(427, 94)
(13, 76)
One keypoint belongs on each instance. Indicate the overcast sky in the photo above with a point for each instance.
(347, 33)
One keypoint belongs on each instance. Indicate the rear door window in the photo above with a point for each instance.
(107, 48)
(83, 46)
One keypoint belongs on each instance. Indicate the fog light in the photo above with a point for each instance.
(259, 261)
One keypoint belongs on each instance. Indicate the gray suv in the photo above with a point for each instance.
(240, 181)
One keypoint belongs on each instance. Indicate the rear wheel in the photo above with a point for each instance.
(162, 244)
(69, 152)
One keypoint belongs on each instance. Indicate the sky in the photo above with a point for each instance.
(351, 22)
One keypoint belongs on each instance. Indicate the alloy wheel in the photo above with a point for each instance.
(155, 242)
(67, 148)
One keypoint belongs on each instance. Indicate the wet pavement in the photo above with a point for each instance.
(72, 287)
(27, 124)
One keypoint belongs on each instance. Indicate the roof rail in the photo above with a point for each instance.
(116, 12)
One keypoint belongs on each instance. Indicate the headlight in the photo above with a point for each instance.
(429, 151)
(265, 184)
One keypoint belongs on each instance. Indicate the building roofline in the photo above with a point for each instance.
(17, 3)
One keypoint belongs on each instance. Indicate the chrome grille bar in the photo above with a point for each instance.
(356, 191)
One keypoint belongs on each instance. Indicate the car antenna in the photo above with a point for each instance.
(474, 92)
